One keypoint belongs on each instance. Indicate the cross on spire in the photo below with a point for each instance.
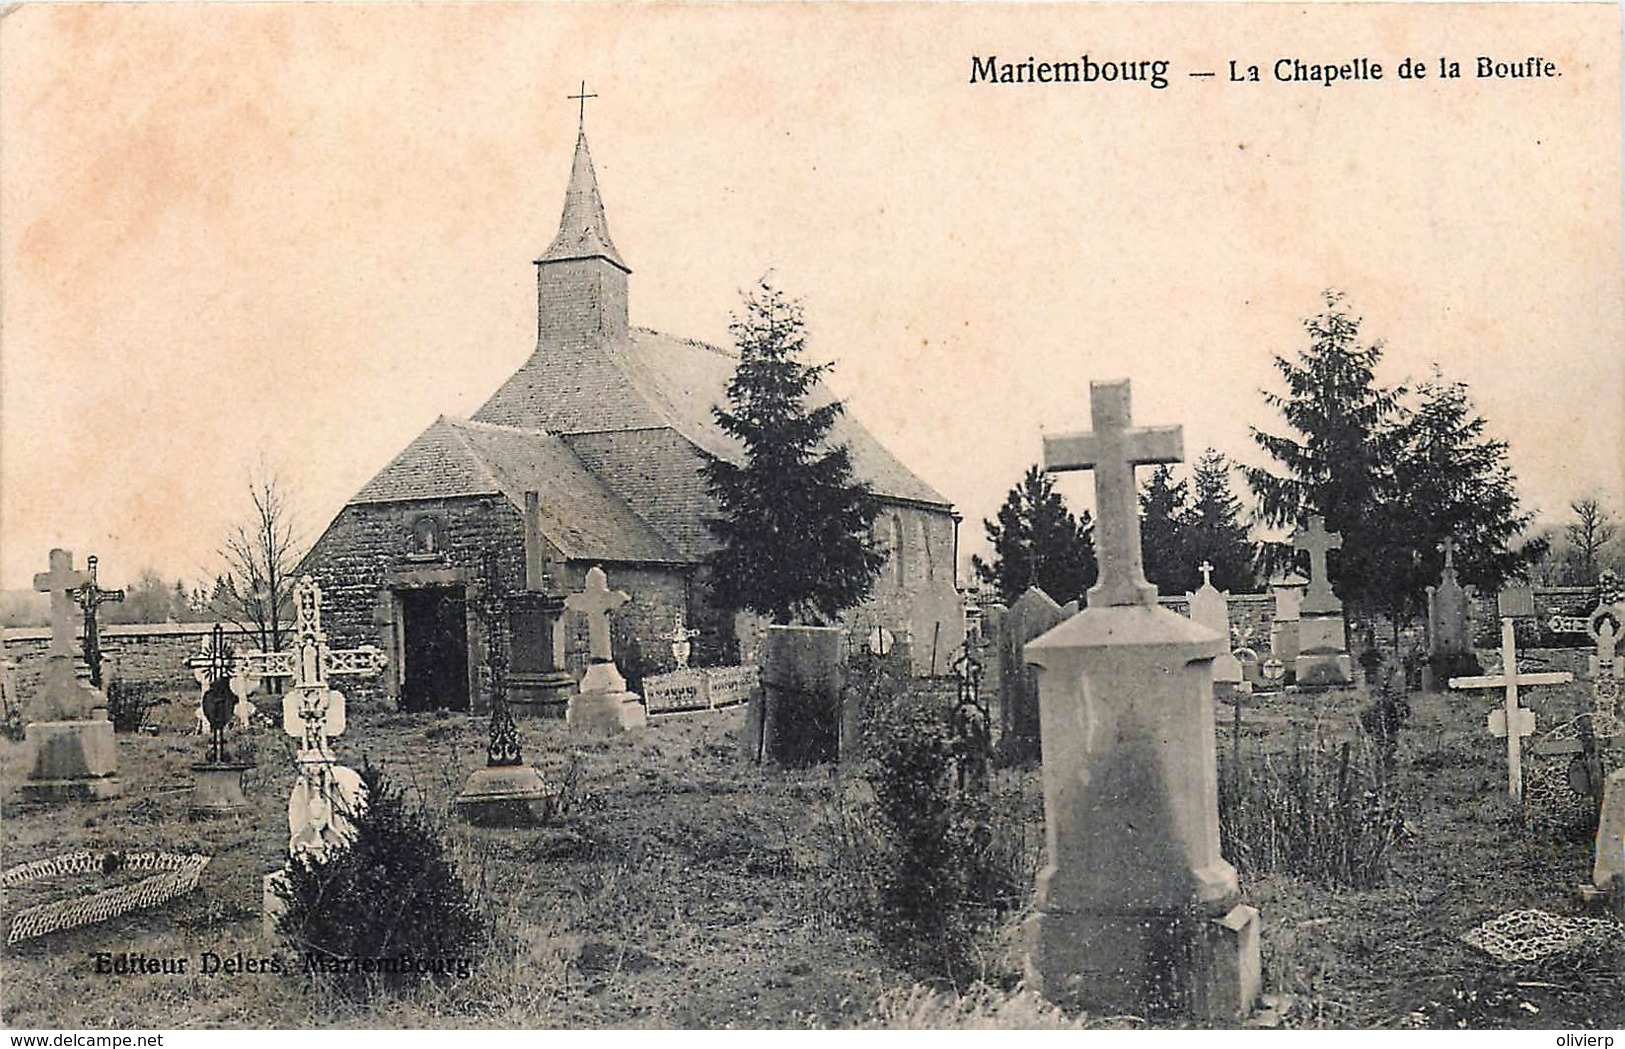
(581, 97)
(1112, 450)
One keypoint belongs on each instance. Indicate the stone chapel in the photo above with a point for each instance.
(456, 557)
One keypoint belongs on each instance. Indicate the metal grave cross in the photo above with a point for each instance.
(60, 582)
(1319, 542)
(90, 597)
(681, 638)
(595, 602)
(1112, 450)
(312, 712)
(1512, 721)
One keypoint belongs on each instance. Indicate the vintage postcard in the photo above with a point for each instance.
(787, 515)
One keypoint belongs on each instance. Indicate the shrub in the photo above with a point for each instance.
(942, 864)
(1383, 717)
(391, 896)
(128, 703)
(1322, 811)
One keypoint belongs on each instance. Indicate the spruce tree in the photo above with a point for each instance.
(1452, 480)
(1217, 534)
(1165, 533)
(1338, 461)
(1037, 542)
(795, 525)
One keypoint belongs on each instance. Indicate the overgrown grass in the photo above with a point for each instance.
(1323, 810)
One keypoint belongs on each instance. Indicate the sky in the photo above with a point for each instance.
(294, 234)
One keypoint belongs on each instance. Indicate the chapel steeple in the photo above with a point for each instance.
(581, 279)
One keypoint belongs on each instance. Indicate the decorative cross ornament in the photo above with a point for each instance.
(581, 97)
(1112, 450)
(91, 597)
(60, 582)
(1206, 568)
(1318, 542)
(680, 638)
(595, 602)
(1448, 547)
(1511, 721)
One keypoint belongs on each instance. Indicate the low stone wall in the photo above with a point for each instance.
(154, 654)
(1251, 616)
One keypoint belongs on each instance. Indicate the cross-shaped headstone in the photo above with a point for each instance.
(1447, 546)
(1511, 721)
(60, 582)
(1318, 542)
(582, 96)
(90, 598)
(1112, 450)
(1206, 568)
(595, 602)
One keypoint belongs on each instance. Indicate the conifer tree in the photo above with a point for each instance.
(1338, 461)
(1165, 533)
(1452, 480)
(795, 525)
(1037, 542)
(1217, 534)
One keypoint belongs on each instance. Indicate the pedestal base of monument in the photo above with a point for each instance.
(505, 796)
(218, 789)
(72, 761)
(272, 905)
(540, 695)
(605, 712)
(1150, 965)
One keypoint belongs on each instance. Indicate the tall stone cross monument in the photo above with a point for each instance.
(75, 756)
(1138, 912)
(1323, 651)
(602, 704)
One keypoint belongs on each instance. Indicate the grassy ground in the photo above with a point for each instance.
(684, 887)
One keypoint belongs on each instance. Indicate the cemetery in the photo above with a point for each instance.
(1174, 830)
(648, 686)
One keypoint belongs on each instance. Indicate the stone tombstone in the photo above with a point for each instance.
(1288, 594)
(797, 718)
(1033, 614)
(1211, 607)
(73, 753)
(1137, 910)
(1609, 861)
(1450, 633)
(603, 704)
(1323, 653)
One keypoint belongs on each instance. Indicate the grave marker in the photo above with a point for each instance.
(74, 753)
(90, 598)
(1323, 654)
(1510, 720)
(602, 704)
(1033, 615)
(218, 787)
(1137, 909)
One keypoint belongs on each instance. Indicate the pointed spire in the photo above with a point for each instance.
(583, 228)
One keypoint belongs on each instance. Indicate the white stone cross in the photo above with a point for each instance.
(1318, 542)
(59, 582)
(595, 602)
(1512, 721)
(1206, 568)
(1112, 450)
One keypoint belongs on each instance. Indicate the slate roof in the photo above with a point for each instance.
(579, 515)
(583, 227)
(654, 380)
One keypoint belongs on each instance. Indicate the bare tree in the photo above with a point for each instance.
(260, 556)
(1592, 529)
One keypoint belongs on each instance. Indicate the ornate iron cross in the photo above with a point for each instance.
(91, 597)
